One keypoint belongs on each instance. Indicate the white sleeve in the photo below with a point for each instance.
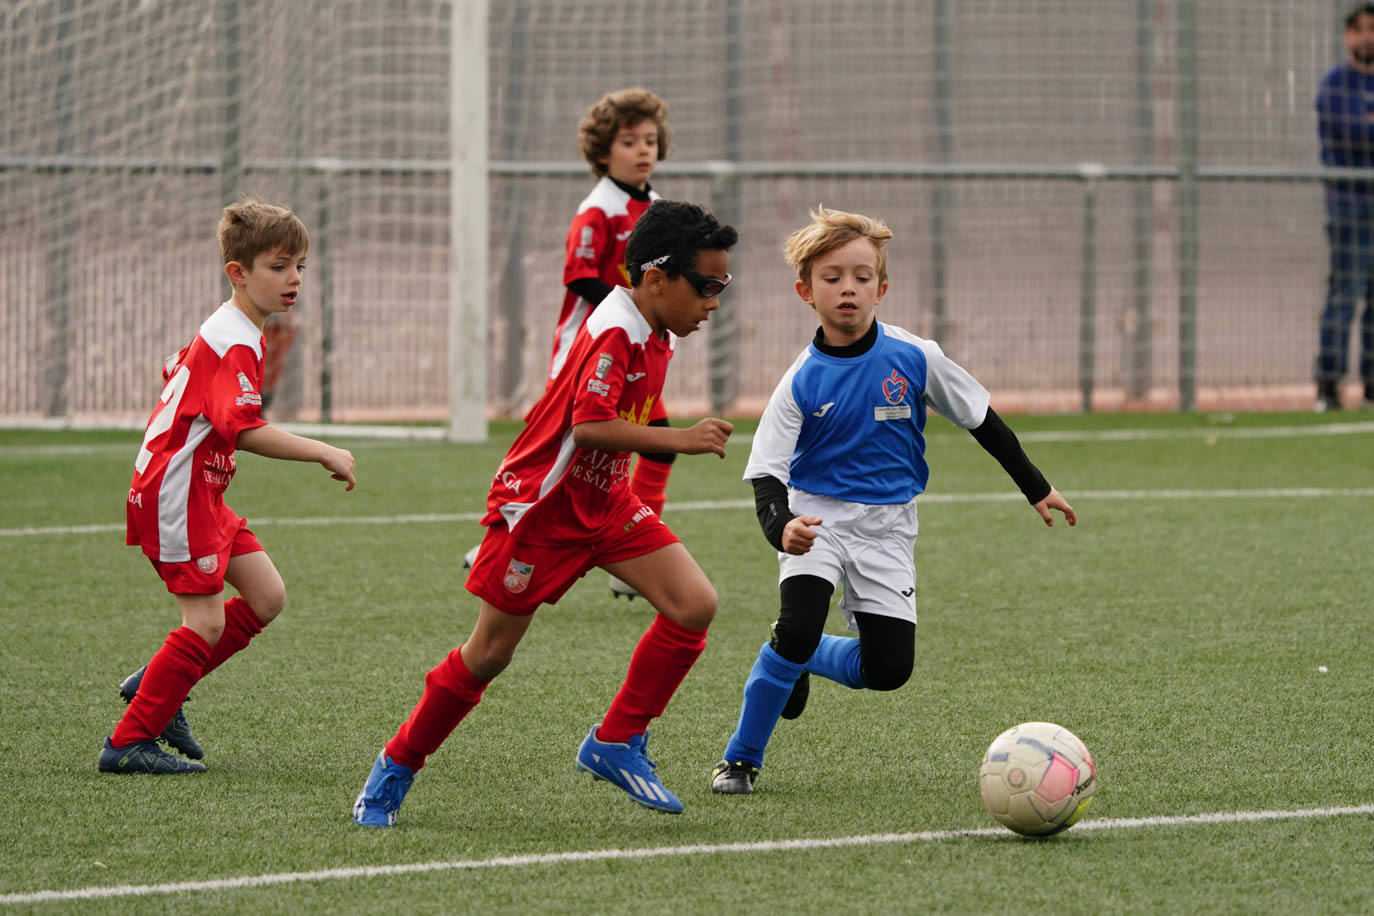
(776, 438)
(951, 390)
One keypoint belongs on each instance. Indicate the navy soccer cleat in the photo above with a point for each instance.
(734, 778)
(144, 757)
(629, 767)
(177, 734)
(801, 691)
(796, 700)
(382, 794)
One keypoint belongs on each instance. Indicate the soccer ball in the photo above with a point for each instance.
(1037, 778)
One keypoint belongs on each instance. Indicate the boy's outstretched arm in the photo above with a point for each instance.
(270, 442)
(1000, 442)
(709, 435)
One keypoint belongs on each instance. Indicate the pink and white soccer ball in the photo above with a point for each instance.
(1037, 778)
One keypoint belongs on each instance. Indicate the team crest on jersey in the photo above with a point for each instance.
(517, 577)
(603, 364)
(894, 388)
(208, 564)
(584, 248)
(249, 396)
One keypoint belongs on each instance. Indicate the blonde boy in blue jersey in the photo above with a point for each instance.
(836, 466)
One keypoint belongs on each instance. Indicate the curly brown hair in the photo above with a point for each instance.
(616, 110)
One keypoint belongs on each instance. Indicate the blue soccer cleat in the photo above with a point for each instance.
(629, 767)
(178, 731)
(144, 757)
(382, 794)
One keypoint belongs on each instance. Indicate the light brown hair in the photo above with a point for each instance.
(253, 226)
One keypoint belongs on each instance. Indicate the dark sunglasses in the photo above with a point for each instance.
(706, 287)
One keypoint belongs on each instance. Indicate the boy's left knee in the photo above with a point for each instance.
(698, 610)
(267, 600)
(888, 674)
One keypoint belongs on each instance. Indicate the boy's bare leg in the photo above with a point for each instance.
(670, 579)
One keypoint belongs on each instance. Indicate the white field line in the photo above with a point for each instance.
(601, 855)
(1083, 496)
(393, 435)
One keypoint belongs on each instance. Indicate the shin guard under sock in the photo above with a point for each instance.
(171, 674)
(666, 652)
(837, 658)
(765, 693)
(451, 691)
(240, 626)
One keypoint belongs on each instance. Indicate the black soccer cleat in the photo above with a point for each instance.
(178, 732)
(144, 757)
(801, 691)
(796, 700)
(733, 778)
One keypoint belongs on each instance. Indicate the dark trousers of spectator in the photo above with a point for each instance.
(1350, 233)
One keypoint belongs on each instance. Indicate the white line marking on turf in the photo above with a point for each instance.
(388, 435)
(1083, 496)
(601, 855)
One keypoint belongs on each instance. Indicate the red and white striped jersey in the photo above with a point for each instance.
(595, 248)
(547, 485)
(175, 509)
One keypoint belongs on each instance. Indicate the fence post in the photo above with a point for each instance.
(723, 343)
(1187, 204)
(326, 303)
(1139, 363)
(1087, 287)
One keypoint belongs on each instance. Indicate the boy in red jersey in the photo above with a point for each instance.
(210, 406)
(622, 137)
(560, 504)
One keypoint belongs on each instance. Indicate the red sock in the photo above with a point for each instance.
(649, 482)
(240, 625)
(171, 674)
(451, 691)
(666, 652)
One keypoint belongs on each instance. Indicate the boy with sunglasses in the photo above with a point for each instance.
(561, 504)
(836, 465)
(622, 137)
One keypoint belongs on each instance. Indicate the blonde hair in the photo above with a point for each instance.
(615, 110)
(829, 229)
(253, 226)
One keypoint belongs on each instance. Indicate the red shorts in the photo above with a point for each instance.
(517, 575)
(205, 575)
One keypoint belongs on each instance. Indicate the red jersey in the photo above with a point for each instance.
(175, 509)
(546, 485)
(596, 248)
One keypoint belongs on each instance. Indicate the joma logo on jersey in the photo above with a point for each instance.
(642, 416)
(894, 388)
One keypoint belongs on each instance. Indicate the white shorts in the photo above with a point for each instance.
(867, 551)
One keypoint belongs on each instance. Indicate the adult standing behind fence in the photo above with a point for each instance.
(1345, 125)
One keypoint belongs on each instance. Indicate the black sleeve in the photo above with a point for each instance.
(770, 502)
(590, 288)
(1001, 443)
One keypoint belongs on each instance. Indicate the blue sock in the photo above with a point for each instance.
(765, 693)
(837, 659)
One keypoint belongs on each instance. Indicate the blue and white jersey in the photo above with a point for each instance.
(853, 428)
